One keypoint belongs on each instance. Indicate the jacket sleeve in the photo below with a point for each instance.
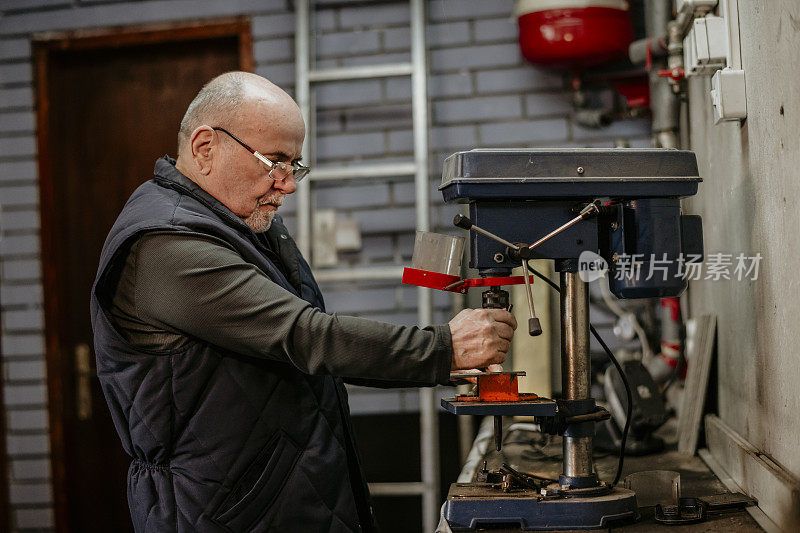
(204, 289)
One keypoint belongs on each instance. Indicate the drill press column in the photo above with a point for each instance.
(575, 367)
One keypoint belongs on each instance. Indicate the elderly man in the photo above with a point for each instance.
(219, 364)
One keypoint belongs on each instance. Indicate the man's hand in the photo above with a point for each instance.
(481, 337)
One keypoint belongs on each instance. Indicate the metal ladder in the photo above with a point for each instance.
(306, 75)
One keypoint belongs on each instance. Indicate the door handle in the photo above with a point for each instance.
(83, 384)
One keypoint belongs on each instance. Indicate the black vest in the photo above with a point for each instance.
(220, 441)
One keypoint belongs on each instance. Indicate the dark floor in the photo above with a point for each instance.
(696, 479)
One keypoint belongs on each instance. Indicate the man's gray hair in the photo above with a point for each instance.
(219, 98)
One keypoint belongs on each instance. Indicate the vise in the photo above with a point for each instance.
(620, 207)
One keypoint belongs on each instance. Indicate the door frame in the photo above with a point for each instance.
(43, 46)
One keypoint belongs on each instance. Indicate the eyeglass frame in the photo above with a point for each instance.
(295, 166)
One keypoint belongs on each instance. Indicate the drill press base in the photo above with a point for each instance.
(470, 506)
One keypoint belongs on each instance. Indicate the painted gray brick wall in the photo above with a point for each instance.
(481, 94)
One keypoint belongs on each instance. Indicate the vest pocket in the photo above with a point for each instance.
(252, 496)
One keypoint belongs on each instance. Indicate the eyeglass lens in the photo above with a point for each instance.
(282, 171)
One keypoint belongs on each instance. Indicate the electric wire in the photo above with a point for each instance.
(621, 374)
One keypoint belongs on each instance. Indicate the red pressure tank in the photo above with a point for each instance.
(573, 34)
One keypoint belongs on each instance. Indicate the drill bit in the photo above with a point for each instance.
(498, 432)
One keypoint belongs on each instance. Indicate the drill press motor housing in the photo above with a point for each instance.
(621, 204)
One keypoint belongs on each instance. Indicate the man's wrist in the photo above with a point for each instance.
(444, 343)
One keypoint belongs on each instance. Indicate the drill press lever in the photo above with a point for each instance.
(521, 252)
(534, 326)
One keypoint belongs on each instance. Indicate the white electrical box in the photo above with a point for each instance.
(728, 95)
(712, 48)
(332, 236)
(348, 236)
(323, 246)
(705, 49)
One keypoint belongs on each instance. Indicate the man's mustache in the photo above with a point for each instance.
(273, 200)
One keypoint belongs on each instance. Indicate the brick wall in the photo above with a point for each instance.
(481, 94)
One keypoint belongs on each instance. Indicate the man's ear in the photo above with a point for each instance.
(205, 146)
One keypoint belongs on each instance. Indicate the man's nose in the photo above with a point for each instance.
(286, 185)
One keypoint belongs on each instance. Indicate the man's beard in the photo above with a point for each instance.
(261, 219)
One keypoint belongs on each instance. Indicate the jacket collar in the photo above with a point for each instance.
(167, 175)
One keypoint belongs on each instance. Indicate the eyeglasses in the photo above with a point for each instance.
(277, 169)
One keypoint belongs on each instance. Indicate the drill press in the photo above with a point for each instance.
(557, 204)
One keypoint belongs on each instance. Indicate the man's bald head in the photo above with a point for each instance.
(260, 115)
(229, 98)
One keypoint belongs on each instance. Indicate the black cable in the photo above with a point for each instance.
(616, 364)
(544, 278)
(628, 410)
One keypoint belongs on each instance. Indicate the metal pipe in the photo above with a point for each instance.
(575, 366)
(302, 56)
(638, 50)
(429, 423)
(668, 138)
(683, 22)
(665, 105)
(657, 14)
(578, 456)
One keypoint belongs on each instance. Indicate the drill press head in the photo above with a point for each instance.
(522, 195)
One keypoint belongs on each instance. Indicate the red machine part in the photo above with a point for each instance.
(446, 282)
(500, 388)
(573, 34)
(497, 387)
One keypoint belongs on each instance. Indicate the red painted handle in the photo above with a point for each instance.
(446, 282)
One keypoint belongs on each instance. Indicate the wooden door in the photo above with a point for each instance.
(109, 106)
